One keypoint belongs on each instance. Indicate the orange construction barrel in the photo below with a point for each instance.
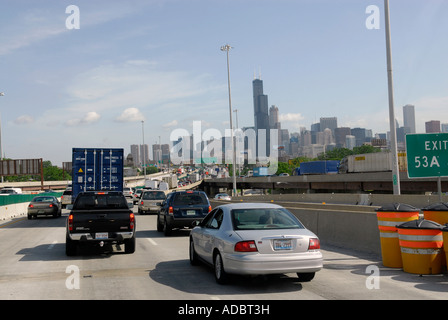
(437, 212)
(421, 244)
(389, 216)
(445, 242)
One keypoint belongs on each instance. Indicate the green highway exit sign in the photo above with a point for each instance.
(427, 155)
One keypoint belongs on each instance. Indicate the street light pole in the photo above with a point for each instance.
(393, 132)
(227, 49)
(239, 157)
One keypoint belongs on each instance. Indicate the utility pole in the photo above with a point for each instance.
(393, 130)
(227, 49)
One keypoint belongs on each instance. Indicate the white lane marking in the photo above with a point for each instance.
(51, 246)
(152, 241)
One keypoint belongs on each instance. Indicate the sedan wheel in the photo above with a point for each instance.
(194, 260)
(220, 275)
(305, 277)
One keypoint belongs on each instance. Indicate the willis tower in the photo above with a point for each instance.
(261, 117)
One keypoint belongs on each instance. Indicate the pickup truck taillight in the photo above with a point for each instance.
(70, 222)
(171, 210)
(132, 220)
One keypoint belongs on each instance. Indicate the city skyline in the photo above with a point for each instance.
(88, 80)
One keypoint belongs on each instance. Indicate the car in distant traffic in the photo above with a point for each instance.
(181, 209)
(8, 190)
(151, 201)
(222, 196)
(255, 239)
(136, 195)
(44, 206)
(127, 192)
(66, 198)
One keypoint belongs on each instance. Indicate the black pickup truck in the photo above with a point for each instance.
(97, 218)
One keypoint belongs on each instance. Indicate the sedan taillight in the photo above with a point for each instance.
(314, 244)
(246, 246)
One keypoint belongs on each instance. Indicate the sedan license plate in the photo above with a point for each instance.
(191, 212)
(282, 244)
(101, 235)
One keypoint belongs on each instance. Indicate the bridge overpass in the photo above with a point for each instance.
(375, 182)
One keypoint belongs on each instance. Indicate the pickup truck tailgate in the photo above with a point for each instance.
(101, 221)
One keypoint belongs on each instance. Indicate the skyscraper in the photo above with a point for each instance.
(409, 118)
(261, 115)
(273, 118)
(432, 126)
(330, 123)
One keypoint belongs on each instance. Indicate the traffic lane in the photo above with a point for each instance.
(159, 269)
(34, 266)
(173, 272)
(346, 275)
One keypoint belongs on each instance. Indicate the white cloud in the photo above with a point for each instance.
(130, 115)
(153, 93)
(170, 124)
(25, 119)
(89, 117)
(290, 117)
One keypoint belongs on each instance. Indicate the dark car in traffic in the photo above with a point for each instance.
(44, 206)
(181, 209)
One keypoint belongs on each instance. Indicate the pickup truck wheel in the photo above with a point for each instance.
(70, 246)
(129, 245)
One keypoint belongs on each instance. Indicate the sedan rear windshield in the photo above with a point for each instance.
(100, 201)
(190, 199)
(153, 195)
(269, 218)
(43, 199)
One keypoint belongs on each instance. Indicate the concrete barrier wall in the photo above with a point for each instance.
(348, 229)
(378, 200)
(13, 210)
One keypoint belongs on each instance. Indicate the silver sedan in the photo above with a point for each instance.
(255, 239)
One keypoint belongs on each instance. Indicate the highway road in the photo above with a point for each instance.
(33, 265)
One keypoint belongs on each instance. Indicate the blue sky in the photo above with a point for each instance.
(160, 61)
